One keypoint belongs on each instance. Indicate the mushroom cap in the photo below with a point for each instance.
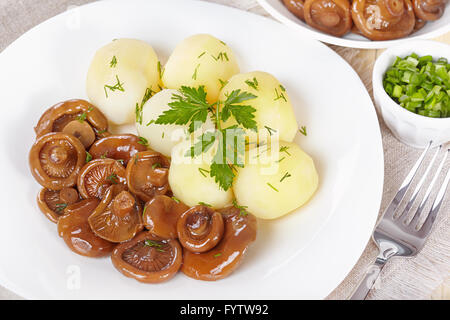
(148, 258)
(58, 116)
(74, 228)
(296, 7)
(383, 19)
(56, 159)
(429, 10)
(147, 174)
(223, 259)
(118, 216)
(419, 24)
(98, 175)
(53, 202)
(330, 16)
(200, 229)
(119, 147)
(161, 215)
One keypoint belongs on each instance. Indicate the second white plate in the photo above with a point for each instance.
(277, 9)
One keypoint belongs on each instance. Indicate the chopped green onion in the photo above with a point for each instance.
(420, 85)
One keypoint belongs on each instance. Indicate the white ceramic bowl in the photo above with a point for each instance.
(431, 30)
(408, 127)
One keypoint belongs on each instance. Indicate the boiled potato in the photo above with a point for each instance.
(163, 138)
(190, 181)
(200, 60)
(119, 76)
(271, 189)
(274, 113)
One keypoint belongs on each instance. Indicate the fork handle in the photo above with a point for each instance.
(371, 276)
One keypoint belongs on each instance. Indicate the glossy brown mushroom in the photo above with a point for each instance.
(53, 202)
(330, 16)
(147, 258)
(419, 24)
(148, 174)
(98, 175)
(200, 229)
(81, 130)
(296, 7)
(74, 228)
(120, 147)
(429, 10)
(118, 216)
(56, 159)
(57, 117)
(223, 259)
(383, 19)
(161, 215)
(355, 30)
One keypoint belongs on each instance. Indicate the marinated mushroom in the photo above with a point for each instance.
(429, 10)
(81, 118)
(98, 175)
(56, 159)
(296, 7)
(120, 147)
(419, 24)
(147, 174)
(118, 216)
(383, 19)
(74, 228)
(200, 229)
(81, 130)
(330, 16)
(148, 258)
(161, 215)
(355, 30)
(223, 259)
(53, 202)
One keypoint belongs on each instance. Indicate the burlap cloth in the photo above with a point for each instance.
(415, 278)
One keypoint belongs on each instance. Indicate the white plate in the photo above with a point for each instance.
(277, 9)
(304, 255)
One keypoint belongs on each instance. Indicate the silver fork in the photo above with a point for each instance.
(395, 235)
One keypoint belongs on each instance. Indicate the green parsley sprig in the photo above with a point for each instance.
(191, 108)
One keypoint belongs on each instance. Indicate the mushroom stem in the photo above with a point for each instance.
(58, 155)
(68, 195)
(198, 224)
(123, 204)
(200, 229)
(82, 130)
(159, 177)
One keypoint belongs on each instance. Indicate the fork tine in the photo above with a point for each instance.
(426, 227)
(392, 207)
(424, 201)
(419, 187)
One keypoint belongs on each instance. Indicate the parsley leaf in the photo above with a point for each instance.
(204, 143)
(229, 153)
(223, 175)
(243, 114)
(189, 108)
